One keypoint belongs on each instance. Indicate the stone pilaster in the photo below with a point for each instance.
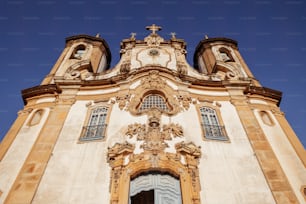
(293, 139)
(275, 177)
(12, 133)
(27, 181)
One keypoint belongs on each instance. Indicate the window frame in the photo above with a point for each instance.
(143, 100)
(219, 127)
(88, 122)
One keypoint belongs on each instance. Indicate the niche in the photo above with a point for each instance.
(266, 118)
(36, 117)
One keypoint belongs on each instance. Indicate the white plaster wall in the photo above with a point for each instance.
(18, 152)
(256, 101)
(140, 57)
(45, 100)
(209, 93)
(230, 172)
(96, 92)
(76, 173)
(79, 172)
(286, 155)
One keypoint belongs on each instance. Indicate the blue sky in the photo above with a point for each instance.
(270, 35)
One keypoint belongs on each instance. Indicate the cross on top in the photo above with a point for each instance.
(173, 35)
(153, 28)
(133, 35)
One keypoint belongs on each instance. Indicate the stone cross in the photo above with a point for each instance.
(133, 35)
(153, 28)
(173, 35)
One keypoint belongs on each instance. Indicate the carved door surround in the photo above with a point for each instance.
(126, 165)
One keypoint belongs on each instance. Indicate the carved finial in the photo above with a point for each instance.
(173, 35)
(153, 28)
(133, 36)
(206, 37)
(98, 35)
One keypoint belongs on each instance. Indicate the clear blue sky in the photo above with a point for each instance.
(270, 35)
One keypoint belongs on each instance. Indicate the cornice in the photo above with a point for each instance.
(263, 91)
(39, 90)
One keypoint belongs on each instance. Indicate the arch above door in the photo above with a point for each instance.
(126, 165)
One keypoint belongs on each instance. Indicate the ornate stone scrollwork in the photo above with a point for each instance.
(185, 101)
(80, 70)
(125, 67)
(154, 158)
(153, 40)
(116, 153)
(123, 101)
(153, 135)
(153, 83)
(136, 129)
(181, 68)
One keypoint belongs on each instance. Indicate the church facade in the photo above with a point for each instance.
(151, 129)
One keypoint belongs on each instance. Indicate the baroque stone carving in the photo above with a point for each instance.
(154, 158)
(181, 68)
(153, 39)
(123, 100)
(153, 135)
(80, 70)
(153, 83)
(125, 67)
(185, 101)
(118, 151)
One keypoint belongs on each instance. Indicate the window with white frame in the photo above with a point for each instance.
(153, 101)
(211, 126)
(96, 126)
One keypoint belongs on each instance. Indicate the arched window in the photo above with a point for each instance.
(78, 52)
(226, 55)
(211, 126)
(155, 189)
(96, 126)
(153, 101)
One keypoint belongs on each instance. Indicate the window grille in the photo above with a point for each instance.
(153, 101)
(97, 125)
(210, 124)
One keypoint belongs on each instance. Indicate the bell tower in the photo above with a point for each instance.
(221, 57)
(82, 57)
